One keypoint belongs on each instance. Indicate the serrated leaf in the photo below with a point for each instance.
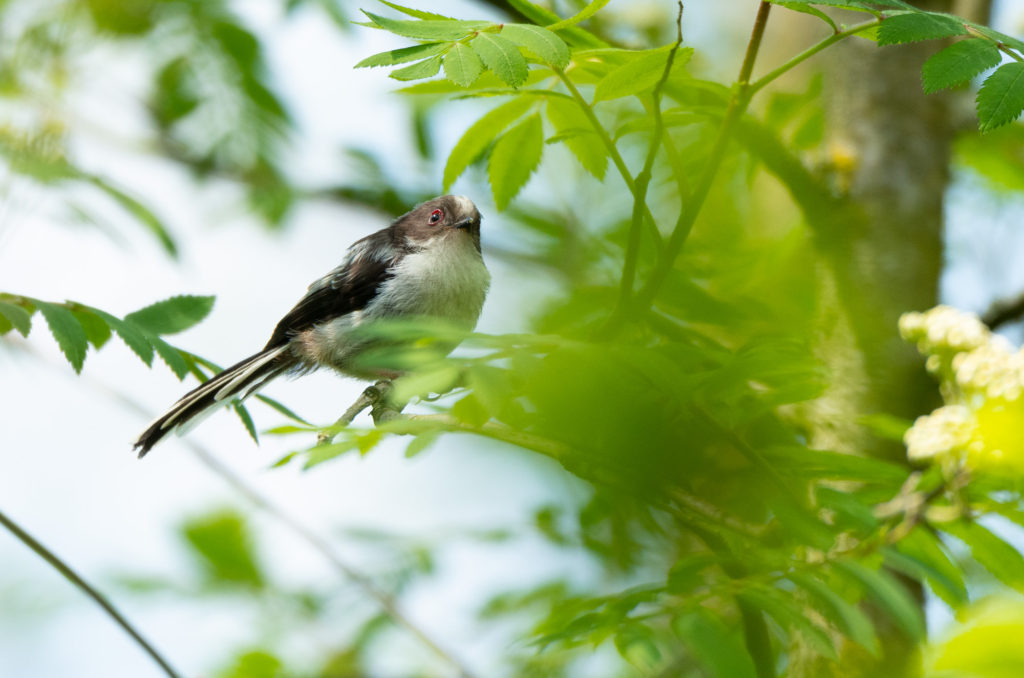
(1002, 560)
(418, 13)
(502, 57)
(171, 356)
(542, 42)
(418, 71)
(247, 421)
(640, 73)
(846, 616)
(590, 10)
(172, 315)
(918, 26)
(588, 149)
(462, 66)
(131, 335)
(403, 55)
(1001, 97)
(516, 154)
(68, 332)
(479, 135)
(958, 63)
(96, 329)
(429, 29)
(714, 647)
(889, 595)
(18, 317)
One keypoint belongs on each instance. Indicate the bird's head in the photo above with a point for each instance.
(443, 218)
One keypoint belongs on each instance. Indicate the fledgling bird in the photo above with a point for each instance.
(427, 263)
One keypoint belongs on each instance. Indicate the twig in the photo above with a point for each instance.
(688, 214)
(1004, 311)
(643, 180)
(65, 570)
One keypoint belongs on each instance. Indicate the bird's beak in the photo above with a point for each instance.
(466, 224)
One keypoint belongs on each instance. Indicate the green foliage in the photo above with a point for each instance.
(958, 63)
(1001, 97)
(515, 156)
(918, 26)
(225, 549)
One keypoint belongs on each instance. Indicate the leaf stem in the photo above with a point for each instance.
(688, 214)
(609, 145)
(809, 52)
(65, 570)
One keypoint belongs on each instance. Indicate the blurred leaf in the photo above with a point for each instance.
(807, 9)
(986, 644)
(920, 555)
(480, 135)
(918, 26)
(142, 213)
(711, 643)
(428, 29)
(420, 443)
(846, 616)
(997, 156)
(502, 57)
(540, 41)
(514, 158)
(280, 407)
(172, 315)
(1001, 559)
(958, 63)
(590, 10)
(789, 614)
(418, 13)
(224, 547)
(1001, 97)
(19, 318)
(889, 595)
(566, 115)
(641, 72)
(68, 332)
(886, 426)
(255, 664)
(462, 66)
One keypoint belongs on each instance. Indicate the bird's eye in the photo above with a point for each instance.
(435, 216)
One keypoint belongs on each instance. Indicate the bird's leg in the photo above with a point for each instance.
(384, 408)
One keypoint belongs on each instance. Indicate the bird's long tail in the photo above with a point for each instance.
(238, 381)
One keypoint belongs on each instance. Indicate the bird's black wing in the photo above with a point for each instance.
(347, 289)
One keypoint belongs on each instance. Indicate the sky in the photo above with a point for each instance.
(67, 472)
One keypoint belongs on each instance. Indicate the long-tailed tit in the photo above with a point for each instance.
(427, 263)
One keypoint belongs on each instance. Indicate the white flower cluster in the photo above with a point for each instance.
(982, 382)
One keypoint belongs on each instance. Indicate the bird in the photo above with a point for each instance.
(427, 263)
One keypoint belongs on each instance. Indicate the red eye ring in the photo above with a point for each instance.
(435, 216)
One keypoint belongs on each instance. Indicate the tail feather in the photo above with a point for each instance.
(238, 381)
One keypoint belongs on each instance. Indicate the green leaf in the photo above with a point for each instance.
(462, 66)
(640, 73)
(418, 13)
(542, 16)
(172, 315)
(403, 55)
(131, 335)
(807, 9)
(18, 317)
(1002, 560)
(97, 331)
(716, 649)
(958, 63)
(516, 154)
(789, 614)
(243, 414)
(888, 594)
(480, 135)
(542, 42)
(224, 547)
(584, 14)
(1001, 97)
(428, 29)
(280, 407)
(171, 356)
(427, 68)
(68, 332)
(141, 213)
(920, 555)
(501, 56)
(588, 149)
(918, 26)
(421, 443)
(846, 616)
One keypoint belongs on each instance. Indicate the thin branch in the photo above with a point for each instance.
(65, 570)
(643, 180)
(1004, 311)
(688, 214)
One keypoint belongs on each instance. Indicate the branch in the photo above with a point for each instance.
(73, 577)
